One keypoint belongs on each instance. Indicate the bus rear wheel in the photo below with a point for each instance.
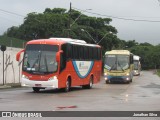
(90, 85)
(107, 82)
(36, 89)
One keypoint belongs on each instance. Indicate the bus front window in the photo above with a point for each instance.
(40, 59)
(117, 62)
(110, 62)
(136, 63)
(122, 62)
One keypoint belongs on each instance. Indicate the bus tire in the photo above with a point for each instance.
(127, 82)
(131, 80)
(36, 89)
(90, 85)
(107, 82)
(68, 85)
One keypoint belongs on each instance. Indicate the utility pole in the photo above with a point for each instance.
(69, 26)
(3, 48)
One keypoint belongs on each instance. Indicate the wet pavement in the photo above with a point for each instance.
(143, 94)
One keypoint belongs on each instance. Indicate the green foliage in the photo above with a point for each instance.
(131, 43)
(11, 42)
(150, 55)
(145, 44)
(58, 22)
(158, 72)
(55, 11)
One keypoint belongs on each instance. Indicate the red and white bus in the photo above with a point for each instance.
(60, 63)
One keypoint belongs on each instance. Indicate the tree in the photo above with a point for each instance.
(131, 43)
(150, 56)
(145, 44)
(55, 23)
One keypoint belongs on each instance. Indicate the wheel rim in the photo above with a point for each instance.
(91, 84)
(67, 85)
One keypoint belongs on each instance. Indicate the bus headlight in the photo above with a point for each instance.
(127, 78)
(127, 74)
(105, 78)
(52, 78)
(105, 74)
(24, 76)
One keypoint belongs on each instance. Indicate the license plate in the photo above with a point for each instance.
(38, 85)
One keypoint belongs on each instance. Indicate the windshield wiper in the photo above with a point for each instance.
(45, 60)
(120, 66)
(36, 61)
(112, 66)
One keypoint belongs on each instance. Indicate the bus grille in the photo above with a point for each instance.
(116, 79)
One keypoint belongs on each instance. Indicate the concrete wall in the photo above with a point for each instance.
(12, 69)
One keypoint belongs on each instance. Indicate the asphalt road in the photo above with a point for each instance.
(143, 94)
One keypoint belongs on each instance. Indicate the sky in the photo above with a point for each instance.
(124, 14)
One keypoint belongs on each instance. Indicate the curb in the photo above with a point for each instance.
(16, 85)
(5, 86)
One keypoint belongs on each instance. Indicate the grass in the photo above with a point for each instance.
(11, 42)
(158, 72)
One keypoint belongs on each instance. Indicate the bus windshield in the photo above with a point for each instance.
(136, 64)
(116, 62)
(40, 58)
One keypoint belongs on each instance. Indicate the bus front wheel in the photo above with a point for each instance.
(36, 89)
(68, 85)
(107, 82)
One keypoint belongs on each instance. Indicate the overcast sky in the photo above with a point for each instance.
(129, 9)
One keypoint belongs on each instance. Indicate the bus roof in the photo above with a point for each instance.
(136, 57)
(59, 41)
(116, 52)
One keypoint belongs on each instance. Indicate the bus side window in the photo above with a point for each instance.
(63, 58)
(131, 59)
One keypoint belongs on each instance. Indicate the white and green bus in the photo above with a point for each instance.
(137, 65)
(118, 66)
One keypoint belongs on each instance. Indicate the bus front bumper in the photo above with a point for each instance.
(41, 84)
(136, 72)
(117, 78)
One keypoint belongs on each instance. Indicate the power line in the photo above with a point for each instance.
(15, 14)
(12, 13)
(109, 16)
(121, 18)
(159, 2)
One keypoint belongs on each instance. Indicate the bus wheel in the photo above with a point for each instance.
(107, 82)
(90, 85)
(131, 80)
(36, 89)
(68, 85)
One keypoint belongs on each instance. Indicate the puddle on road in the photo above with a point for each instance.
(157, 93)
(143, 96)
(119, 98)
(152, 85)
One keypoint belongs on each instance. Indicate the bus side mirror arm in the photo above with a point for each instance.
(18, 55)
(58, 54)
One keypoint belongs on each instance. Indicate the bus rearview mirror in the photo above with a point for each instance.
(18, 55)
